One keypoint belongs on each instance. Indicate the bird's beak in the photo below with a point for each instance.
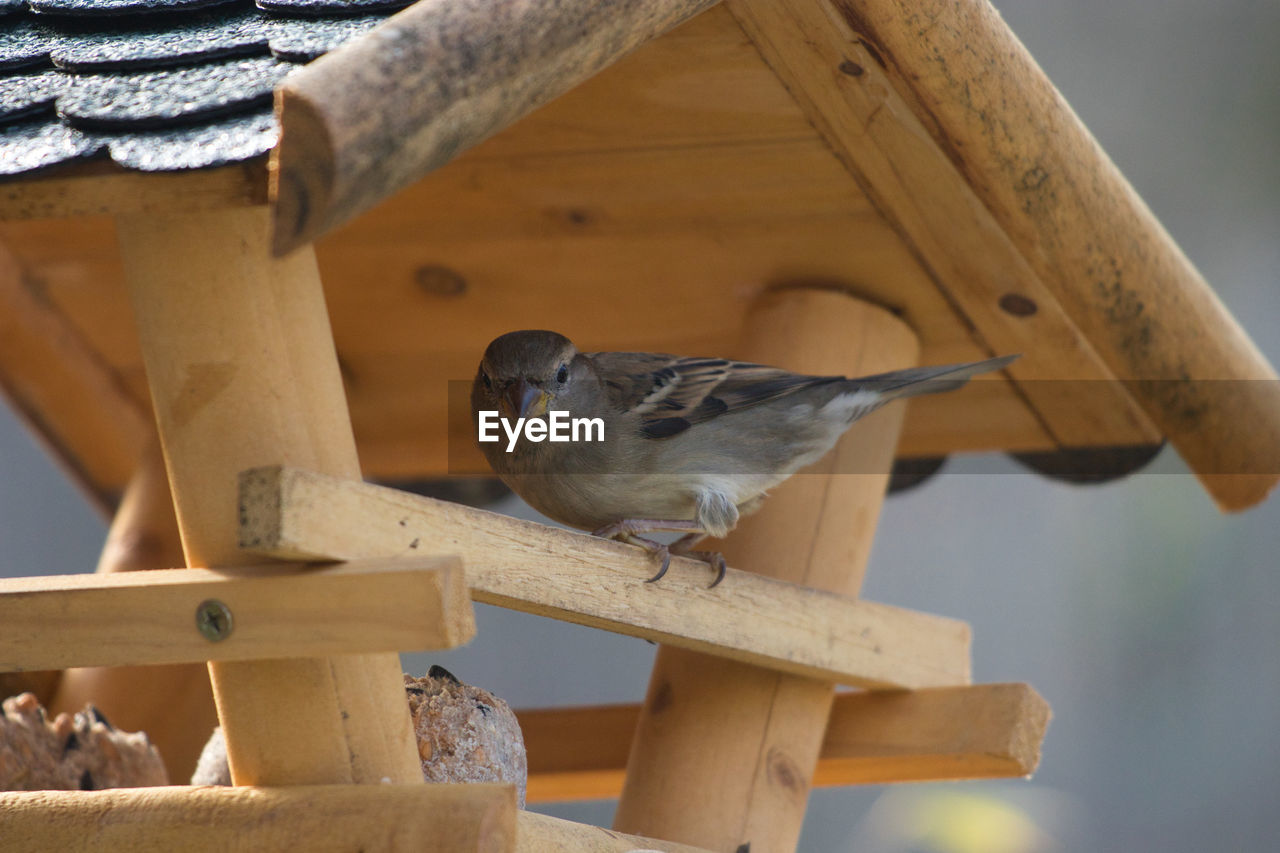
(520, 399)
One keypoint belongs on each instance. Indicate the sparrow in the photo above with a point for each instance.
(689, 445)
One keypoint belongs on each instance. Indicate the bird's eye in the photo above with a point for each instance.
(562, 375)
(488, 383)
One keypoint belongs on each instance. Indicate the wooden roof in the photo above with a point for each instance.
(759, 145)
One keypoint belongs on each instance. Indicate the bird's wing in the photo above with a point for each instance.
(671, 394)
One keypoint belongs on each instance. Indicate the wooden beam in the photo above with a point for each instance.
(173, 704)
(317, 818)
(365, 121)
(724, 754)
(526, 566)
(242, 370)
(101, 187)
(276, 611)
(539, 833)
(986, 731)
(56, 380)
(893, 84)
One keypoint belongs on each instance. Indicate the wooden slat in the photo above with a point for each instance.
(87, 189)
(1039, 176)
(519, 564)
(316, 818)
(985, 731)
(538, 833)
(279, 611)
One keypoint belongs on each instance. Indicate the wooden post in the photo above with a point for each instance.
(724, 752)
(243, 372)
(171, 703)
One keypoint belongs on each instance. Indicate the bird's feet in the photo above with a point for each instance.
(627, 530)
(714, 559)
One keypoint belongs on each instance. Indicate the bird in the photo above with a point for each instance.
(688, 445)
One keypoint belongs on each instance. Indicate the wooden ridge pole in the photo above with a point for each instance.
(243, 372)
(1083, 230)
(365, 121)
(172, 703)
(724, 753)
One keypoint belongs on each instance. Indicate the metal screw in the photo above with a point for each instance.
(214, 621)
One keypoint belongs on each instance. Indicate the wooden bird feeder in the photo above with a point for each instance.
(832, 187)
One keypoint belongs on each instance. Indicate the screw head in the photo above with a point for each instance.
(214, 620)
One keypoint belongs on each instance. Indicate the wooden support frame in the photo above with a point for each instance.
(523, 565)
(436, 818)
(273, 611)
(242, 369)
(724, 753)
(939, 99)
(986, 731)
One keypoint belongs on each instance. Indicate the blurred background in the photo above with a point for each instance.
(1149, 621)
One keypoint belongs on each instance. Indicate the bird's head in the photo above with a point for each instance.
(524, 373)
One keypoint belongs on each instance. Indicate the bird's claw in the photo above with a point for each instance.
(666, 561)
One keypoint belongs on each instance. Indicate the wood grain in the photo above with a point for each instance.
(985, 731)
(278, 611)
(724, 753)
(538, 833)
(88, 189)
(316, 818)
(367, 120)
(523, 565)
(1091, 241)
(242, 371)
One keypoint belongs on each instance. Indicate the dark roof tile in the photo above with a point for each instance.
(117, 7)
(163, 98)
(24, 95)
(198, 37)
(302, 40)
(198, 147)
(331, 7)
(31, 145)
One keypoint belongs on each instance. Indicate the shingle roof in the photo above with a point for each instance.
(156, 84)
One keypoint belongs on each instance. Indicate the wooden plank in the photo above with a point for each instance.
(278, 611)
(538, 833)
(242, 370)
(364, 122)
(748, 735)
(317, 818)
(523, 565)
(986, 731)
(1041, 177)
(88, 189)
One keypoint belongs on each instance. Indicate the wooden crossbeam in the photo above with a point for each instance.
(985, 731)
(522, 565)
(316, 818)
(277, 611)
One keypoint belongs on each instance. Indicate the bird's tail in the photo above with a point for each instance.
(928, 380)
